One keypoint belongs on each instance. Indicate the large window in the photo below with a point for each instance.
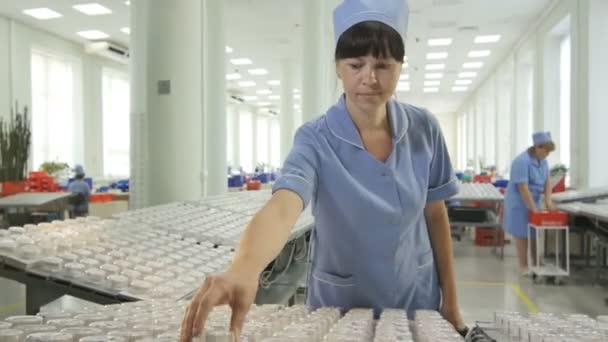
(564, 136)
(246, 141)
(115, 123)
(52, 109)
(262, 143)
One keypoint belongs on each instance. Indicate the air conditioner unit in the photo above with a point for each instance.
(108, 50)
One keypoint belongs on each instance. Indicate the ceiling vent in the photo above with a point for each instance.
(108, 50)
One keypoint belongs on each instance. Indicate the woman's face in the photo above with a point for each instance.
(542, 152)
(369, 82)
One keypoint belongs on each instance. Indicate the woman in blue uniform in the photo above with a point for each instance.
(376, 172)
(529, 180)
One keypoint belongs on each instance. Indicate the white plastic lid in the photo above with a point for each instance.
(24, 319)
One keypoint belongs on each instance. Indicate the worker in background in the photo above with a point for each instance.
(376, 172)
(529, 180)
(79, 201)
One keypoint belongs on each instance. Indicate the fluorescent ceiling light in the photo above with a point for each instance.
(92, 9)
(296, 90)
(437, 55)
(128, 3)
(297, 106)
(435, 66)
(232, 77)
(432, 83)
(487, 39)
(93, 34)
(246, 84)
(404, 77)
(431, 90)
(241, 61)
(229, 49)
(459, 89)
(463, 82)
(434, 75)
(297, 96)
(250, 98)
(467, 74)
(479, 53)
(472, 65)
(257, 72)
(274, 82)
(440, 42)
(263, 104)
(125, 30)
(264, 92)
(42, 13)
(274, 97)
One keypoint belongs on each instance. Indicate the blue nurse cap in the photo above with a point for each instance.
(540, 138)
(393, 13)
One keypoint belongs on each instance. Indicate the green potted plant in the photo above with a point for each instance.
(54, 169)
(15, 139)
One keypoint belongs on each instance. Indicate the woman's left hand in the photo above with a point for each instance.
(452, 314)
(551, 206)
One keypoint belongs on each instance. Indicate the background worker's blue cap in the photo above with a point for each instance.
(393, 13)
(540, 138)
(78, 170)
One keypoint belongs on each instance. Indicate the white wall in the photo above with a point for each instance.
(16, 43)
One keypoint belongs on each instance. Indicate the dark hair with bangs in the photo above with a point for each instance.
(370, 37)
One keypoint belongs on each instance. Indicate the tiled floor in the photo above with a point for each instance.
(485, 284)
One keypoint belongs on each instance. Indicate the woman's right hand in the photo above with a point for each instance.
(235, 289)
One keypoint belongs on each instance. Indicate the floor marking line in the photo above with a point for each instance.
(520, 293)
(12, 307)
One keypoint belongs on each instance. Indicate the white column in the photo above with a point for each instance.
(236, 134)
(166, 120)
(254, 137)
(312, 60)
(286, 116)
(214, 97)
(593, 150)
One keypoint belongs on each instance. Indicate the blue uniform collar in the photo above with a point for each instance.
(342, 126)
(533, 160)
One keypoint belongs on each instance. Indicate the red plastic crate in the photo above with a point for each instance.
(482, 179)
(486, 237)
(549, 218)
(254, 185)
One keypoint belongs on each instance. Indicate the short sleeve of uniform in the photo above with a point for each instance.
(442, 181)
(299, 173)
(519, 171)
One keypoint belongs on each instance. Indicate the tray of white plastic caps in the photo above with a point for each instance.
(579, 195)
(160, 321)
(477, 192)
(135, 263)
(516, 326)
(202, 222)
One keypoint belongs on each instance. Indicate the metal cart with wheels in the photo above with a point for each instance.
(543, 271)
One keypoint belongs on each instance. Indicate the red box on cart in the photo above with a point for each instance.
(549, 218)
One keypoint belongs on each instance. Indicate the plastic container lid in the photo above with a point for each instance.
(118, 281)
(50, 337)
(7, 245)
(24, 319)
(11, 335)
(110, 268)
(29, 251)
(79, 332)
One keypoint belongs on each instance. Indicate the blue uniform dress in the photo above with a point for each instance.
(371, 246)
(527, 170)
(80, 186)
